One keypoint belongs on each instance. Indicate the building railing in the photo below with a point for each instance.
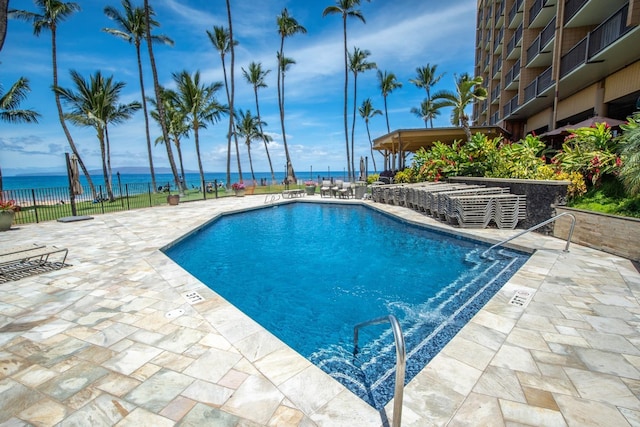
(609, 31)
(513, 73)
(539, 85)
(495, 92)
(498, 38)
(571, 7)
(515, 39)
(510, 106)
(497, 66)
(499, 11)
(574, 58)
(545, 36)
(514, 10)
(534, 10)
(495, 118)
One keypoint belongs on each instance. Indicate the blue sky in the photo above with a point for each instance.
(401, 36)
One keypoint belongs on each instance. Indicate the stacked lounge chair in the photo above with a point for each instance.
(21, 261)
(468, 206)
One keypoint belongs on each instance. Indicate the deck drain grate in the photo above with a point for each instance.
(193, 297)
(521, 297)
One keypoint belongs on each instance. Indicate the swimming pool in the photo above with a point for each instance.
(309, 272)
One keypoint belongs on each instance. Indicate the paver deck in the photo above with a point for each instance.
(100, 342)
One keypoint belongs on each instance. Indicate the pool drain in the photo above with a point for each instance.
(521, 298)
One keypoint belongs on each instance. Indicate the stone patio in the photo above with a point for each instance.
(100, 343)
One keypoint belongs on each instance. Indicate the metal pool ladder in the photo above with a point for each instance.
(401, 360)
(535, 227)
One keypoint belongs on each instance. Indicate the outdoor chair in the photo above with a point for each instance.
(325, 189)
(346, 191)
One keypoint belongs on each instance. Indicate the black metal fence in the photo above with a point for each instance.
(47, 204)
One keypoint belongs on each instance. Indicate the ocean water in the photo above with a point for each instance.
(192, 179)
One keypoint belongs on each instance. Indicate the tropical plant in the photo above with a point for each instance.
(387, 83)
(52, 12)
(238, 186)
(94, 103)
(197, 101)
(249, 128)
(221, 40)
(10, 111)
(8, 206)
(346, 9)
(131, 28)
(357, 64)
(426, 77)
(468, 90)
(255, 76)
(428, 111)
(591, 151)
(630, 151)
(287, 27)
(367, 111)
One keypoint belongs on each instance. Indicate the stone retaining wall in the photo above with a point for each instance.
(542, 196)
(609, 233)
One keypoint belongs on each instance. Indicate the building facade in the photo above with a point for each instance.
(549, 63)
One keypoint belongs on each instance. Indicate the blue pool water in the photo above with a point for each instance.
(310, 272)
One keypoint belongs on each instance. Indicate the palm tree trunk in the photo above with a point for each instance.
(353, 123)
(103, 156)
(61, 115)
(109, 181)
(160, 104)
(281, 105)
(266, 148)
(346, 88)
(176, 142)
(235, 138)
(232, 96)
(146, 119)
(371, 146)
(4, 6)
(230, 131)
(253, 176)
(197, 138)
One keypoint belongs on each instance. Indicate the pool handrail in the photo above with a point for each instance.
(401, 361)
(535, 227)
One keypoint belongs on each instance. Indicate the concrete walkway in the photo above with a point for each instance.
(100, 342)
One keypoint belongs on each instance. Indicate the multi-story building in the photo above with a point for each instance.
(549, 63)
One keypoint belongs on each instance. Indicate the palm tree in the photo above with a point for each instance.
(176, 123)
(367, 112)
(131, 28)
(345, 8)
(9, 107)
(357, 64)
(287, 27)
(94, 104)
(255, 76)
(221, 40)
(388, 83)
(232, 43)
(426, 78)
(198, 103)
(468, 91)
(428, 111)
(158, 92)
(52, 12)
(250, 128)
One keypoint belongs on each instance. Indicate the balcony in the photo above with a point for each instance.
(515, 11)
(538, 86)
(596, 47)
(498, 18)
(495, 118)
(510, 107)
(495, 93)
(497, 42)
(609, 31)
(539, 46)
(497, 67)
(513, 43)
(512, 77)
(571, 7)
